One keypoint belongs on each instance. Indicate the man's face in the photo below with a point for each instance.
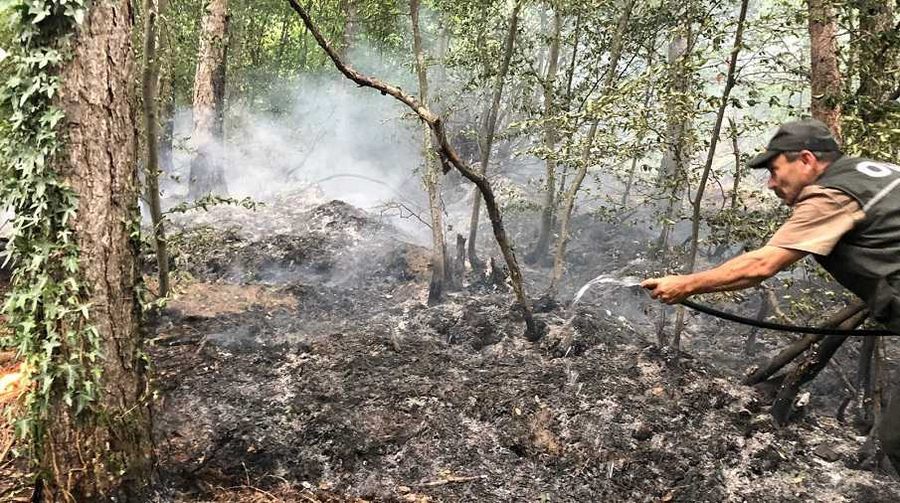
(788, 178)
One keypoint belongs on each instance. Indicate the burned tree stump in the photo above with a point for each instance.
(804, 372)
(784, 357)
(459, 266)
(498, 274)
(865, 384)
(810, 367)
(788, 354)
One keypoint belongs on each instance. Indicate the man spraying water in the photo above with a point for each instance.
(845, 212)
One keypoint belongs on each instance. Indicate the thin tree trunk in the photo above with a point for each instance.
(106, 451)
(879, 58)
(149, 85)
(711, 154)
(640, 138)
(864, 382)
(672, 172)
(432, 171)
(825, 75)
(735, 186)
(765, 308)
(550, 138)
(450, 158)
(167, 135)
(490, 128)
(304, 41)
(738, 169)
(879, 378)
(283, 39)
(207, 168)
(615, 52)
(567, 104)
(351, 26)
(572, 62)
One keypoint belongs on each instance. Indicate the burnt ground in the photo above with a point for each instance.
(300, 363)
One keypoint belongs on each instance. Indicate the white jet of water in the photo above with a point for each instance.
(627, 282)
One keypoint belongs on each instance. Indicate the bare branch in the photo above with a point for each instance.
(448, 156)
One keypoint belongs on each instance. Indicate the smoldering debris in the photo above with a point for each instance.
(293, 241)
(358, 389)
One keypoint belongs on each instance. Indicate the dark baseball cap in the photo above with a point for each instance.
(808, 134)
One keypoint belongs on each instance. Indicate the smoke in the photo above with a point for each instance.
(323, 132)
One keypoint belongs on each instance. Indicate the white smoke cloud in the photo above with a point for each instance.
(353, 144)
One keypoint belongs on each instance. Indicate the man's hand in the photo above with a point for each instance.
(669, 289)
(738, 273)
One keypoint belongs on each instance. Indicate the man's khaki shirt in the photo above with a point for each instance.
(820, 217)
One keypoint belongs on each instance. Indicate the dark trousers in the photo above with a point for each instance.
(890, 428)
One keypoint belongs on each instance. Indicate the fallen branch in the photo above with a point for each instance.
(448, 155)
(452, 479)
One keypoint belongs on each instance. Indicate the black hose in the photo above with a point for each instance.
(784, 328)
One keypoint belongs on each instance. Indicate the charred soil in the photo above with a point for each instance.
(306, 366)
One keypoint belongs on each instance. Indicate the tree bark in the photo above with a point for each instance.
(615, 52)
(674, 164)
(641, 133)
(864, 382)
(351, 26)
(879, 58)
(167, 135)
(765, 308)
(825, 76)
(807, 369)
(490, 128)
(207, 167)
(550, 138)
(105, 452)
(432, 171)
(451, 160)
(150, 89)
(735, 186)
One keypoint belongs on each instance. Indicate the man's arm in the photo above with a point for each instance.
(743, 271)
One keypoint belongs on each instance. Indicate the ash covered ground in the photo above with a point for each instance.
(300, 362)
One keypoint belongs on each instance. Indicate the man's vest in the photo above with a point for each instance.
(867, 259)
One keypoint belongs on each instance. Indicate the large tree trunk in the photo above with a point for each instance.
(490, 128)
(550, 138)
(104, 452)
(432, 172)
(825, 76)
(207, 167)
(615, 52)
(150, 88)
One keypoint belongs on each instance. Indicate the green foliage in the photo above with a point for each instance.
(47, 304)
(210, 200)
